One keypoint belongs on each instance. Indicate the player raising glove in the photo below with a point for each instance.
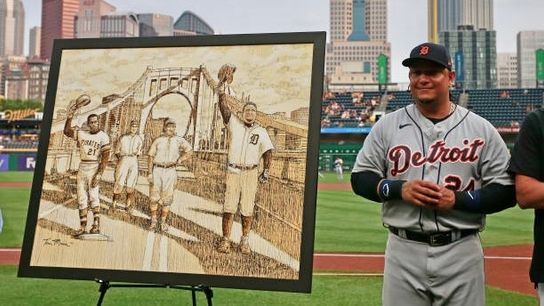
(79, 102)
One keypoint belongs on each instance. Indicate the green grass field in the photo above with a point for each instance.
(326, 290)
(345, 223)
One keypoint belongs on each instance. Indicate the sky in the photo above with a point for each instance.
(407, 19)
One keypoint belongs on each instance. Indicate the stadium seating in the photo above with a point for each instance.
(502, 107)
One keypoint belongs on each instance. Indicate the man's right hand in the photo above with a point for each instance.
(421, 193)
(150, 178)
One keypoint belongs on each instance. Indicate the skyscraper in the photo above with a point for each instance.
(358, 32)
(34, 42)
(455, 13)
(507, 70)
(87, 22)
(57, 22)
(12, 27)
(432, 15)
(369, 16)
(119, 25)
(190, 22)
(156, 25)
(474, 55)
(528, 42)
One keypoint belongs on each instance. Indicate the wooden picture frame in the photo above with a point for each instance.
(144, 84)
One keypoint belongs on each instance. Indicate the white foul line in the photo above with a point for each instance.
(382, 256)
(163, 254)
(346, 274)
(148, 252)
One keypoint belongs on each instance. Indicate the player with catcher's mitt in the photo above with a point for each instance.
(248, 143)
(438, 169)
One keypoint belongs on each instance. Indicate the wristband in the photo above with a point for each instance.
(468, 201)
(390, 189)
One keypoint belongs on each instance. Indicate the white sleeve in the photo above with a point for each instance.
(372, 156)
(495, 159)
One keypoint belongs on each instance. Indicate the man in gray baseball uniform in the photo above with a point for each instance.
(248, 143)
(94, 152)
(126, 172)
(165, 153)
(438, 169)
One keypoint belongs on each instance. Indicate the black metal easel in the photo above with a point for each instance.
(105, 285)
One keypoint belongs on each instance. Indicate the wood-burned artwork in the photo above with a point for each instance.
(179, 161)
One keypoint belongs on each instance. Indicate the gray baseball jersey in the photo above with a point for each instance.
(463, 152)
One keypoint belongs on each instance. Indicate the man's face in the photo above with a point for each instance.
(170, 129)
(133, 129)
(429, 82)
(249, 114)
(93, 124)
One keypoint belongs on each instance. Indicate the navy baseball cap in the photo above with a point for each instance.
(430, 52)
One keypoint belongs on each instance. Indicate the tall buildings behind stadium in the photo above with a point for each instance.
(25, 77)
(358, 35)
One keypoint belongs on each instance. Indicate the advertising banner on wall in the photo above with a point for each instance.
(25, 162)
(4, 162)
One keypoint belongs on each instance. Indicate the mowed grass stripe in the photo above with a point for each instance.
(348, 223)
(16, 176)
(326, 290)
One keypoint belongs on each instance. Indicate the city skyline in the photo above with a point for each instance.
(293, 16)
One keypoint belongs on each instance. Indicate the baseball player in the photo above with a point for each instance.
(528, 166)
(248, 143)
(165, 153)
(438, 169)
(126, 173)
(94, 152)
(338, 164)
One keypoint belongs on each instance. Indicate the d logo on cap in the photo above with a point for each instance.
(424, 50)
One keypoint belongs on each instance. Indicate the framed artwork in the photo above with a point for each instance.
(179, 160)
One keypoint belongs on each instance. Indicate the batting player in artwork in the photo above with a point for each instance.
(248, 143)
(126, 173)
(94, 152)
(165, 153)
(438, 169)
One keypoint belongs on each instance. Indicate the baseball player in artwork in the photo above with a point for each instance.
(94, 152)
(165, 153)
(126, 173)
(438, 169)
(248, 143)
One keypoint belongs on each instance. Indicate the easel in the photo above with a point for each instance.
(105, 285)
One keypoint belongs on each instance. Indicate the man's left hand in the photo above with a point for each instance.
(447, 199)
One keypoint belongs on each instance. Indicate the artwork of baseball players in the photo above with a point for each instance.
(179, 161)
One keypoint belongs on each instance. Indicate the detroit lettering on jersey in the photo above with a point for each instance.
(402, 156)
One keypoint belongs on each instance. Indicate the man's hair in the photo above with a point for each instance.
(90, 116)
(247, 104)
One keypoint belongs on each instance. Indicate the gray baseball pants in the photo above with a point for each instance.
(418, 274)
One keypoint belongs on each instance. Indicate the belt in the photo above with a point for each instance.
(166, 165)
(433, 239)
(243, 167)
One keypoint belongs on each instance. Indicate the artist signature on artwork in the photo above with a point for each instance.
(55, 242)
